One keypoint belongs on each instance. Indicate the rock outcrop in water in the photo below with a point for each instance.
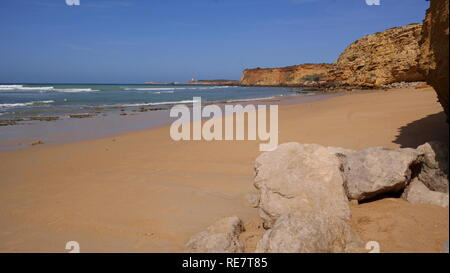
(433, 59)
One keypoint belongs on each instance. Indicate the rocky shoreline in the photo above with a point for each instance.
(97, 112)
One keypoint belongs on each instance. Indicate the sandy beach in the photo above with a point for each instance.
(140, 191)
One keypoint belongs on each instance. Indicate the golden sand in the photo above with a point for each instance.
(143, 192)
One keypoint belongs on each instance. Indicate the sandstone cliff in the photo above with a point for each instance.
(297, 75)
(374, 60)
(381, 58)
(433, 60)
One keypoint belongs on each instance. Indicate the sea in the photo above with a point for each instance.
(25, 100)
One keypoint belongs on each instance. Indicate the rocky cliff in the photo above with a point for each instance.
(381, 58)
(377, 59)
(304, 75)
(433, 59)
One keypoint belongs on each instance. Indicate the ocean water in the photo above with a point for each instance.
(23, 100)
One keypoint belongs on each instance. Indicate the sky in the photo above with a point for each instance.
(134, 41)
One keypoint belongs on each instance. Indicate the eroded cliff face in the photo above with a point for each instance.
(381, 58)
(304, 75)
(374, 60)
(433, 60)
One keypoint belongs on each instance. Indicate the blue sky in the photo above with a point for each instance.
(132, 41)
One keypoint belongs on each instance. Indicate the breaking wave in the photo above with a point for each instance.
(19, 87)
(22, 104)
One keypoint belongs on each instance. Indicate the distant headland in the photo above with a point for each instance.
(197, 82)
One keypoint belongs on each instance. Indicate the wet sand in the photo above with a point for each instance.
(109, 123)
(143, 192)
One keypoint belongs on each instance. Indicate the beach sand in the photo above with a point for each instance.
(143, 192)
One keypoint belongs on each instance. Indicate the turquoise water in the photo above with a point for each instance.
(17, 100)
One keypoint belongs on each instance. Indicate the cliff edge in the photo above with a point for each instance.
(304, 75)
(374, 60)
(381, 58)
(433, 59)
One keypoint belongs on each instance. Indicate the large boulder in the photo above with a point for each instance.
(377, 171)
(434, 169)
(311, 232)
(221, 237)
(417, 192)
(302, 178)
(433, 60)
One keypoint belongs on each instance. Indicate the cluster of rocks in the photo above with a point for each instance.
(403, 85)
(15, 121)
(304, 192)
(7, 122)
(82, 115)
(143, 109)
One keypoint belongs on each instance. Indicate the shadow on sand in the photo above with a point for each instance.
(431, 127)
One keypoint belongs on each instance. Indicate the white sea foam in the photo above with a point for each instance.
(176, 88)
(181, 102)
(148, 103)
(163, 92)
(75, 90)
(22, 104)
(213, 87)
(157, 103)
(253, 99)
(12, 86)
(151, 89)
(19, 87)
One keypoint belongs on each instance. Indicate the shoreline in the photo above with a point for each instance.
(101, 125)
(143, 192)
